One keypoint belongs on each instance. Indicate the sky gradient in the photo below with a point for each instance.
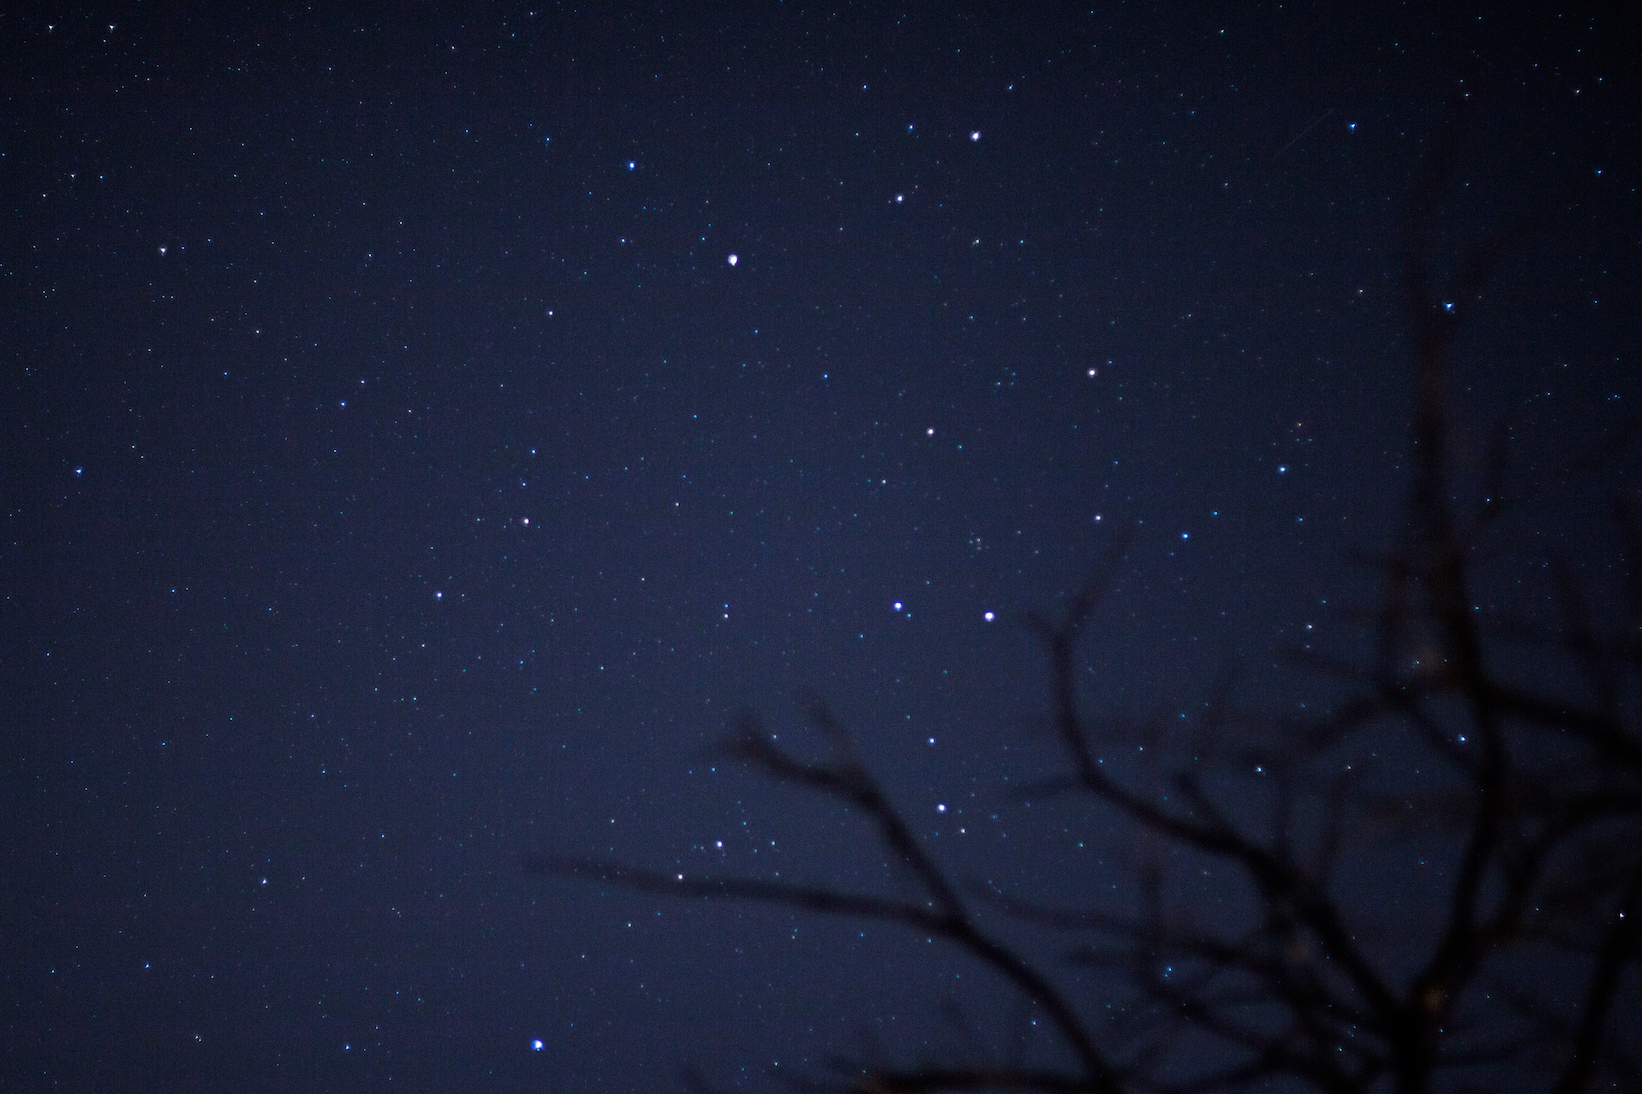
(425, 429)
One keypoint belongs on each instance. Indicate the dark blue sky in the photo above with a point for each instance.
(401, 476)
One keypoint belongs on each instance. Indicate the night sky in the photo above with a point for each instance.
(424, 431)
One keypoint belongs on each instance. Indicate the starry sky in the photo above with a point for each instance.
(426, 427)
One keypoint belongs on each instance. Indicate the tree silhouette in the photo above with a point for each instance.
(1500, 749)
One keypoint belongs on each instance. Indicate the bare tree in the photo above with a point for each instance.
(1486, 762)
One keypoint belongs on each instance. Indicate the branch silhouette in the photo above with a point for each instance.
(1505, 750)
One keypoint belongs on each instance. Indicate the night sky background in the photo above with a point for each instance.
(424, 430)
